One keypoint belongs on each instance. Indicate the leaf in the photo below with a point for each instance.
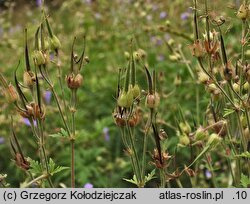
(35, 167)
(133, 181)
(228, 112)
(62, 133)
(245, 181)
(150, 176)
(244, 154)
(53, 169)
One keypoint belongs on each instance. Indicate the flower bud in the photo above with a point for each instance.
(55, 43)
(153, 100)
(243, 11)
(214, 140)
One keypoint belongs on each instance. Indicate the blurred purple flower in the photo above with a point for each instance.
(185, 15)
(47, 96)
(167, 37)
(208, 174)
(149, 17)
(98, 16)
(163, 14)
(27, 122)
(160, 57)
(51, 56)
(88, 185)
(2, 140)
(154, 7)
(39, 3)
(106, 133)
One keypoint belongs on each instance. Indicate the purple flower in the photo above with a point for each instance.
(167, 37)
(185, 15)
(149, 18)
(106, 134)
(98, 16)
(163, 14)
(88, 185)
(27, 122)
(47, 96)
(208, 174)
(160, 57)
(2, 140)
(51, 56)
(39, 3)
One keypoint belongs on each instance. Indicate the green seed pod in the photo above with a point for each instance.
(246, 86)
(243, 11)
(127, 55)
(122, 100)
(200, 134)
(236, 87)
(55, 43)
(214, 140)
(39, 58)
(211, 88)
(185, 127)
(130, 98)
(203, 77)
(153, 100)
(136, 91)
(184, 140)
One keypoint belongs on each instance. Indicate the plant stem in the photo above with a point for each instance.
(44, 176)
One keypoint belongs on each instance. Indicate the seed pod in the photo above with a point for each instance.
(39, 58)
(136, 91)
(153, 100)
(243, 11)
(74, 82)
(184, 140)
(55, 43)
(125, 100)
(203, 77)
(236, 87)
(200, 134)
(11, 94)
(185, 127)
(214, 140)
(197, 49)
(29, 78)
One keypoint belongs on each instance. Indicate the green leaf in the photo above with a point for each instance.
(245, 181)
(228, 112)
(150, 176)
(53, 169)
(133, 180)
(35, 167)
(62, 133)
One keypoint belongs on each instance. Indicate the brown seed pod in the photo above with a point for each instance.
(74, 82)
